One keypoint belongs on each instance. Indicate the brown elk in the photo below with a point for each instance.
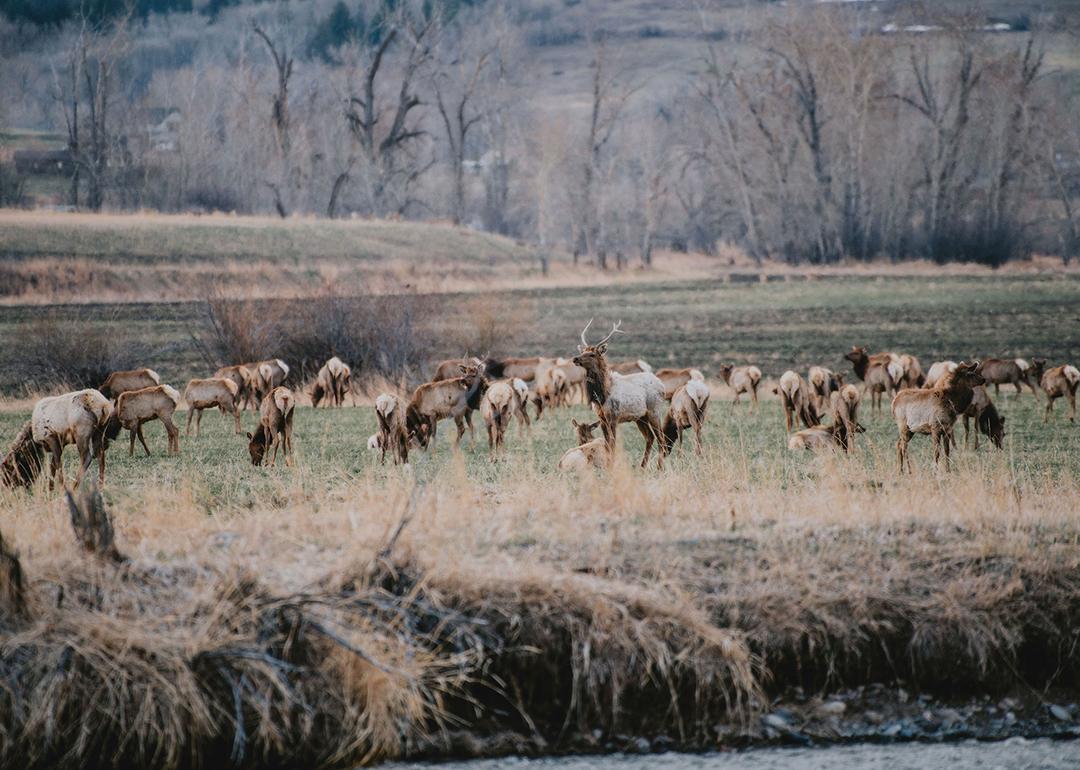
(880, 373)
(935, 411)
(674, 379)
(987, 419)
(573, 385)
(511, 368)
(434, 401)
(548, 379)
(269, 374)
(209, 393)
(497, 407)
(844, 405)
(24, 459)
(392, 412)
(637, 398)
(796, 399)
(80, 418)
(823, 383)
(937, 370)
(244, 377)
(589, 453)
(742, 379)
(687, 410)
(835, 436)
(998, 372)
(135, 408)
(134, 379)
(913, 376)
(1061, 381)
(275, 427)
(629, 367)
(332, 382)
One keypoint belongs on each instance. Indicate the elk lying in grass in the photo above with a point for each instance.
(674, 379)
(823, 383)
(637, 398)
(434, 401)
(395, 427)
(937, 370)
(987, 420)
(133, 379)
(797, 401)
(275, 427)
(687, 410)
(497, 407)
(844, 405)
(589, 453)
(24, 459)
(269, 374)
(934, 411)
(1019, 372)
(820, 437)
(880, 373)
(208, 394)
(135, 408)
(244, 377)
(1061, 381)
(742, 379)
(78, 418)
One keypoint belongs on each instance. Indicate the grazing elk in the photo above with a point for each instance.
(589, 453)
(80, 418)
(332, 382)
(844, 404)
(937, 370)
(1019, 372)
(912, 376)
(1061, 381)
(674, 379)
(209, 393)
(497, 408)
(134, 379)
(687, 410)
(24, 459)
(275, 427)
(269, 374)
(822, 437)
(637, 398)
(244, 377)
(434, 401)
(392, 412)
(880, 373)
(823, 383)
(521, 405)
(934, 412)
(629, 367)
(797, 401)
(134, 408)
(742, 379)
(987, 420)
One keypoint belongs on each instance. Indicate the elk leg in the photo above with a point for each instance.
(753, 399)
(383, 441)
(737, 401)
(997, 389)
(236, 420)
(56, 462)
(1072, 406)
(1049, 409)
(646, 432)
(142, 438)
(468, 421)
(187, 428)
(174, 434)
(198, 421)
(85, 457)
(966, 428)
(131, 442)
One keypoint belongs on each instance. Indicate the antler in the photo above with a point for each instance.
(615, 329)
(585, 342)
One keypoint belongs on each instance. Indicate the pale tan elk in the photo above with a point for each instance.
(797, 401)
(821, 437)
(434, 401)
(78, 418)
(497, 408)
(589, 453)
(1060, 382)
(687, 410)
(637, 398)
(674, 379)
(213, 392)
(332, 382)
(934, 412)
(269, 374)
(244, 377)
(547, 379)
(823, 383)
(275, 427)
(134, 379)
(392, 413)
(880, 373)
(742, 379)
(135, 408)
(937, 370)
(573, 386)
(1019, 372)
(521, 405)
(987, 420)
(630, 367)
(844, 405)
(912, 376)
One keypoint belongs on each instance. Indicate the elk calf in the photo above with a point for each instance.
(434, 401)
(134, 379)
(796, 400)
(934, 411)
(78, 418)
(134, 408)
(880, 373)
(1061, 381)
(687, 410)
(823, 383)
(275, 427)
(823, 437)
(207, 394)
(742, 379)
(589, 453)
(497, 408)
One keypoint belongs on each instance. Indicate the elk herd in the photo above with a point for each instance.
(662, 404)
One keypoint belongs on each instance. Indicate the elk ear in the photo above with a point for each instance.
(580, 348)
(601, 348)
(463, 369)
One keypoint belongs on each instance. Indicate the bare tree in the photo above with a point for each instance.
(280, 118)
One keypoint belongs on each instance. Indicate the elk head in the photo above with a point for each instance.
(968, 374)
(257, 442)
(725, 371)
(857, 354)
(590, 356)
(584, 430)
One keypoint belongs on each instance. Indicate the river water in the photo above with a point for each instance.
(1013, 754)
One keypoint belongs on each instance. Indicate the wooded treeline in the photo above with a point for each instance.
(815, 136)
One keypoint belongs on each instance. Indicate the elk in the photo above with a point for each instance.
(449, 369)
(244, 377)
(998, 372)
(209, 393)
(24, 459)
(1061, 381)
(332, 382)
(521, 405)
(822, 437)
(78, 418)
(589, 453)
(134, 408)
(880, 373)
(573, 387)
(392, 412)
(637, 398)
(797, 401)
(134, 379)
(674, 379)
(913, 374)
(823, 383)
(434, 401)
(269, 374)
(275, 427)
(937, 370)
(844, 404)
(511, 368)
(547, 380)
(630, 367)
(934, 411)
(987, 419)
(497, 408)
(742, 379)
(687, 410)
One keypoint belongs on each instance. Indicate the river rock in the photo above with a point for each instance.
(776, 721)
(891, 730)
(833, 708)
(1059, 712)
